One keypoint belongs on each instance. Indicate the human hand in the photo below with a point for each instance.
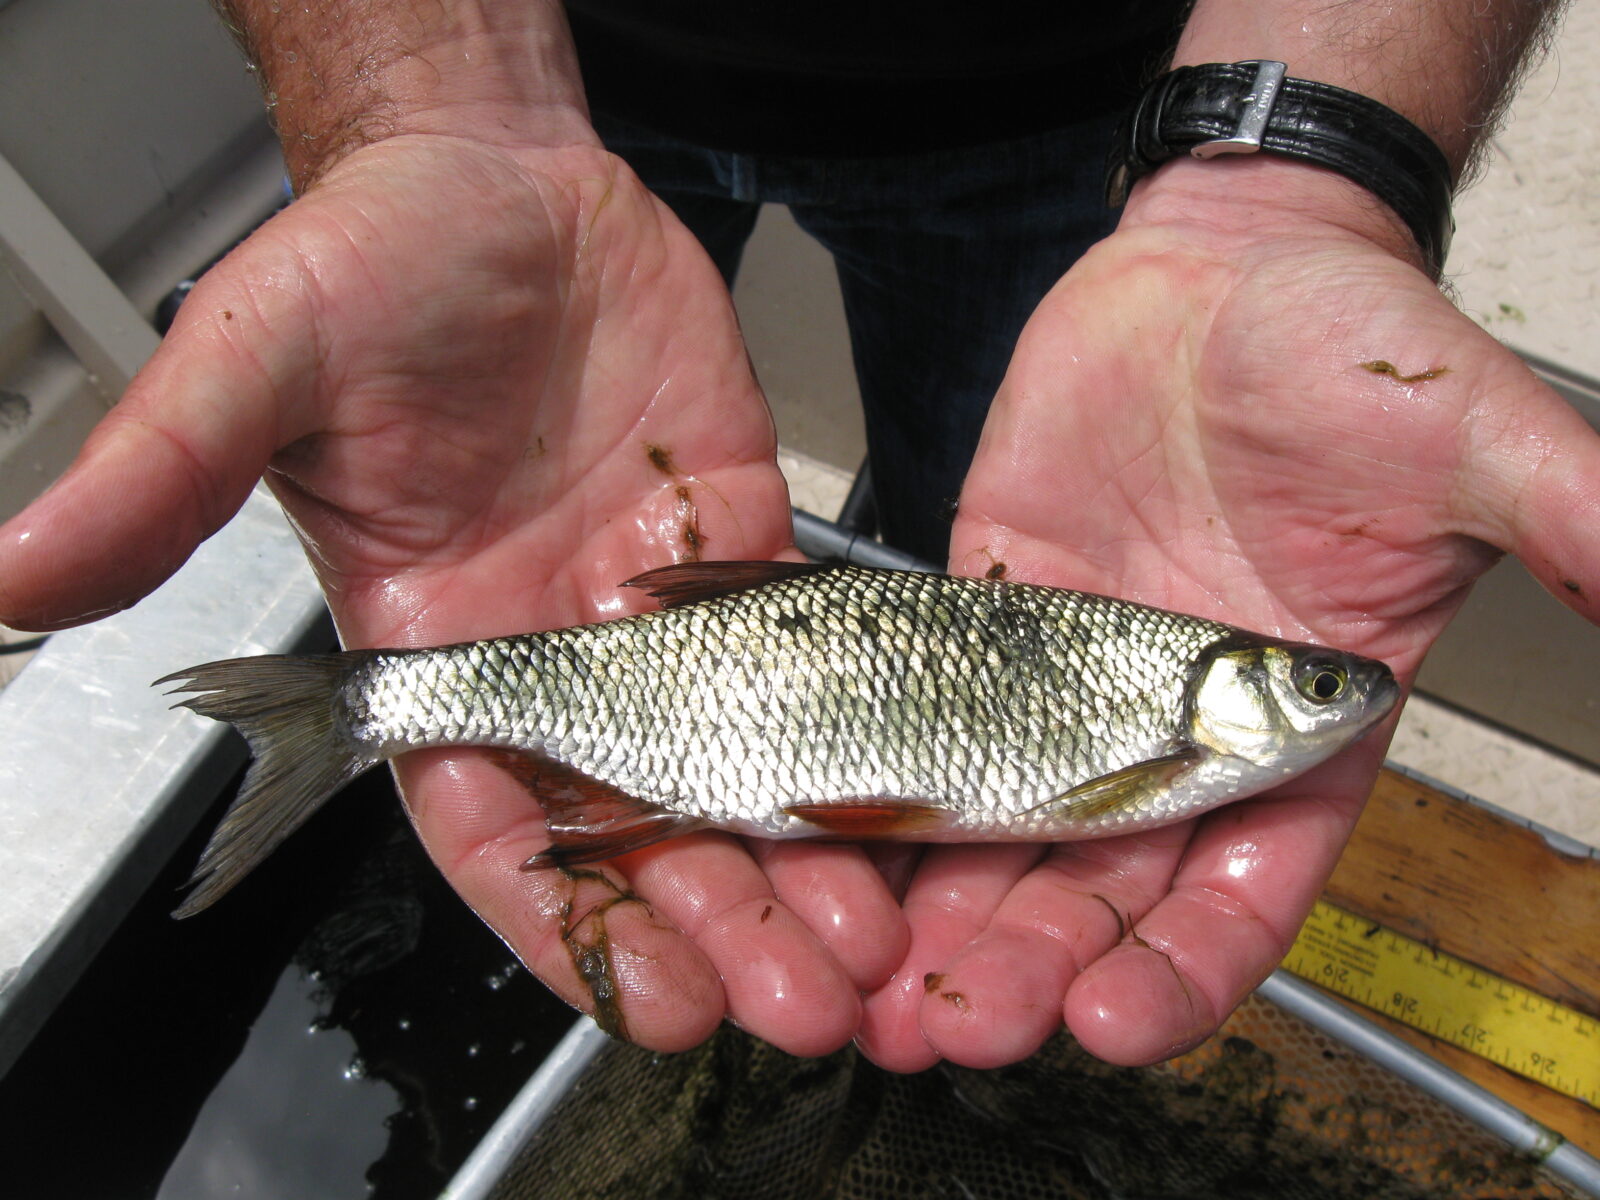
(487, 385)
(1193, 419)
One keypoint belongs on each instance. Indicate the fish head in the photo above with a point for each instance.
(1285, 706)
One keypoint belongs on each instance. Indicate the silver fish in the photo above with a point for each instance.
(794, 700)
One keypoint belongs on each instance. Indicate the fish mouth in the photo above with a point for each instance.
(1378, 684)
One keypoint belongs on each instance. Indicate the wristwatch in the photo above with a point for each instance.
(1247, 107)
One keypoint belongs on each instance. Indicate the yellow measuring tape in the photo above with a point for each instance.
(1451, 999)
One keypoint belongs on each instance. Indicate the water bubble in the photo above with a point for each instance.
(503, 976)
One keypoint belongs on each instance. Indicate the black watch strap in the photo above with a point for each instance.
(1240, 108)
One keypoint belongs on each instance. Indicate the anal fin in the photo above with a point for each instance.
(1122, 790)
(864, 817)
(588, 819)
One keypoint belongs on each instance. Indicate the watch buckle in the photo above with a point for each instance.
(1252, 125)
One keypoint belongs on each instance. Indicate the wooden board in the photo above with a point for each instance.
(1456, 876)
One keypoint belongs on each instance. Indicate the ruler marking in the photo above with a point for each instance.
(1428, 989)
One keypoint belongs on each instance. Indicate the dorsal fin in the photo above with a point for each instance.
(688, 582)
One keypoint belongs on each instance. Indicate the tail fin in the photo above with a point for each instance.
(287, 708)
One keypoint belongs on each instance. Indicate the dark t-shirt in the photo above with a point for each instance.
(869, 77)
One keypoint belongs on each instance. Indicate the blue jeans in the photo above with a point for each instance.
(941, 259)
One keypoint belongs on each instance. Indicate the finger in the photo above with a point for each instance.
(782, 984)
(897, 863)
(840, 895)
(1069, 910)
(952, 898)
(1239, 898)
(608, 955)
(170, 464)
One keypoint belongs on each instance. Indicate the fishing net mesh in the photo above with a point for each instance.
(1267, 1108)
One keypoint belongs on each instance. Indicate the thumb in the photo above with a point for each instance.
(169, 465)
(1530, 485)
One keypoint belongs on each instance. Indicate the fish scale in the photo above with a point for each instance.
(790, 700)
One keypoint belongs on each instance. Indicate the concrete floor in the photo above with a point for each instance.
(1525, 264)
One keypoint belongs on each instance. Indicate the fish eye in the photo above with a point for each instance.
(1320, 680)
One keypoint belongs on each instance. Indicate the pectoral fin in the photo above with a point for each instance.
(1124, 790)
(872, 816)
(588, 819)
(678, 584)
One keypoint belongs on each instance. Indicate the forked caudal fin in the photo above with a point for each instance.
(286, 708)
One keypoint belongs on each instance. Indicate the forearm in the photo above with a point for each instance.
(1446, 67)
(340, 74)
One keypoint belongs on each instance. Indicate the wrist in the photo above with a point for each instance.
(1221, 112)
(339, 76)
(1264, 199)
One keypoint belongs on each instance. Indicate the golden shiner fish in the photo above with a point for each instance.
(790, 700)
